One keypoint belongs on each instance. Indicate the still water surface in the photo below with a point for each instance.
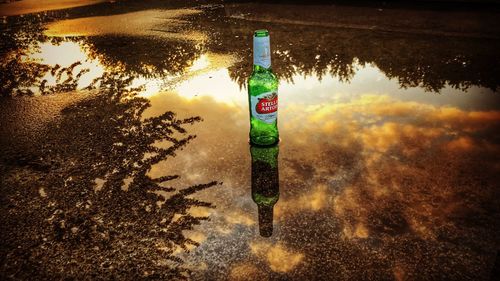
(387, 161)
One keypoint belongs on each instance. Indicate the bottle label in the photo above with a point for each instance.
(262, 51)
(265, 106)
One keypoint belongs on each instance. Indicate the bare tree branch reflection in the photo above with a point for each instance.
(28, 77)
(99, 214)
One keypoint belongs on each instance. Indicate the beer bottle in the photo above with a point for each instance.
(265, 184)
(263, 93)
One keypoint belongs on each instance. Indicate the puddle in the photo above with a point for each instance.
(387, 161)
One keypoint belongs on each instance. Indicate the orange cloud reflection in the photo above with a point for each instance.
(279, 258)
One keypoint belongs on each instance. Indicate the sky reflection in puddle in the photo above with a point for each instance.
(347, 147)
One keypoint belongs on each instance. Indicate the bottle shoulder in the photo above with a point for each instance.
(265, 79)
(269, 74)
(261, 199)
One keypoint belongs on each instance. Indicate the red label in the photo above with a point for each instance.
(268, 104)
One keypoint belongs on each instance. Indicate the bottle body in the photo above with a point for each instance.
(263, 94)
(265, 184)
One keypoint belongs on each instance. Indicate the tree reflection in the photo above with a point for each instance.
(99, 214)
(416, 61)
(28, 77)
(429, 62)
(146, 56)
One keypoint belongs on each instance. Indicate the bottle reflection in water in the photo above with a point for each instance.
(265, 185)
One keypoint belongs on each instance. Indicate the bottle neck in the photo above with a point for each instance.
(265, 220)
(261, 53)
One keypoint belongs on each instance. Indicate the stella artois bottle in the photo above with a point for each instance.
(263, 93)
(265, 184)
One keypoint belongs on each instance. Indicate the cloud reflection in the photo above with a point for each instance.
(381, 169)
(279, 257)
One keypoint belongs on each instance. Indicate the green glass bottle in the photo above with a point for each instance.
(265, 184)
(263, 93)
